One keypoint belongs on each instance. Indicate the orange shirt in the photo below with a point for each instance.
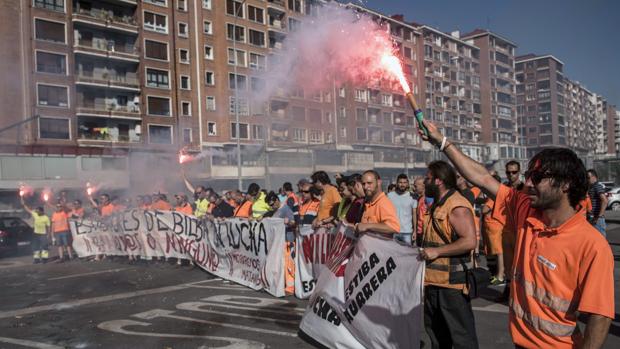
(329, 199)
(77, 212)
(489, 221)
(60, 222)
(161, 205)
(232, 203)
(557, 271)
(309, 208)
(245, 210)
(420, 212)
(107, 210)
(381, 210)
(186, 210)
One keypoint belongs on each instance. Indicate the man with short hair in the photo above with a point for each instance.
(448, 242)
(405, 208)
(598, 199)
(562, 267)
(309, 208)
(513, 174)
(257, 196)
(291, 200)
(329, 197)
(61, 233)
(41, 226)
(182, 205)
(379, 213)
(201, 201)
(221, 208)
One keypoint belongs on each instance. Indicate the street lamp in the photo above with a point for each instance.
(237, 127)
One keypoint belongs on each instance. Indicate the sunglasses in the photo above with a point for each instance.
(511, 172)
(305, 191)
(536, 176)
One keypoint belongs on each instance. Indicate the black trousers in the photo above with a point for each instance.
(448, 318)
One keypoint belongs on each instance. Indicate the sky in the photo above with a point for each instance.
(584, 34)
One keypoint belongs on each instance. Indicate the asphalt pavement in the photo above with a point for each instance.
(112, 304)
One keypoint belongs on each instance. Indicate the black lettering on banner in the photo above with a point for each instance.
(134, 216)
(127, 223)
(232, 242)
(177, 223)
(308, 286)
(354, 305)
(262, 236)
(148, 220)
(323, 310)
(161, 225)
(218, 236)
(240, 227)
(367, 266)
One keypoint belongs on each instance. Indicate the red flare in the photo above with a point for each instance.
(392, 64)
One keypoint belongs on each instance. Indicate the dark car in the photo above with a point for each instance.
(15, 235)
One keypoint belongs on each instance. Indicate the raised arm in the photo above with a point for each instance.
(188, 185)
(471, 170)
(26, 207)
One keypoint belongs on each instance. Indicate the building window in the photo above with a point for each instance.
(316, 136)
(206, 4)
(342, 112)
(257, 84)
(159, 134)
(158, 2)
(294, 5)
(243, 131)
(236, 33)
(234, 8)
(208, 52)
(293, 24)
(236, 59)
(186, 108)
(361, 134)
(258, 132)
(187, 135)
(182, 5)
(257, 61)
(183, 30)
(159, 106)
(156, 50)
(52, 96)
(361, 95)
(155, 22)
(185, 82)
(52, 128)
(256, 14)
(157, 78)
(210, 78)
(242, 105)
(211, 129)
(210, 103)
(207, 27)
(341, 92)
(361, 114)
(386, 100)
(257, 38)
(49, 31)
(54, 5)
(239, 83)
(299, 135)
(183, 55)
(51, 63)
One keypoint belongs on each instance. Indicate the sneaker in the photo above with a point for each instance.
(36, 261)
(497, 281)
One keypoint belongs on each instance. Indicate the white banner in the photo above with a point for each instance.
(247, 252)
(375, 303)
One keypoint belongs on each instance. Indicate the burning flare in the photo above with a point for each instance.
(391, 63)
(90, 189)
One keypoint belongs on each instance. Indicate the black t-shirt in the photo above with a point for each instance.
(223, 210)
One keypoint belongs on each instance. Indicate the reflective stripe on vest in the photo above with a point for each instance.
(545, 297)
(549, 327)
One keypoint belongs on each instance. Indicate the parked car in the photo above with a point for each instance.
(15, 235)
(608, 185)
(613, 199)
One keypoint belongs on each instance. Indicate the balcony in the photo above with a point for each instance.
(109, 130)
(105, 15)
(276, 39)
(96, 102)
(106, 45)
(276, 2)
(276, 19)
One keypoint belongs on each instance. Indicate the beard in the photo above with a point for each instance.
(431, 191)
(545, 200)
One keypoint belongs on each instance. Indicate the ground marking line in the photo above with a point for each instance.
(194, 306)
(85, 274)
(101, 299)
(30, 344)
(494, 308)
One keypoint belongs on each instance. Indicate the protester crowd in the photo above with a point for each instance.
(546, 235)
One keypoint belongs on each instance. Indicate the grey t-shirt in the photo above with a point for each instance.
(404, 204)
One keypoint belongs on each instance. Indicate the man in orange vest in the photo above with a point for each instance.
(60, 231)
(562, 266)
(449, 239)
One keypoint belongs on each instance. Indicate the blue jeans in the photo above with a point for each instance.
(601, 226)
(403, 237)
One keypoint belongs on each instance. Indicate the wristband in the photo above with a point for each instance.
(443, 143)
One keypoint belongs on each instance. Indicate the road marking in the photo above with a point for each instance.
(196, 306)
(243, 301)
(156, 313)
(86, 274)
(30, 344)
(13, 264)
(118, 327)
(299, 311)
(94, 300)
(494, 308)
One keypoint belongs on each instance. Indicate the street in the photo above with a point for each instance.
(112, 304)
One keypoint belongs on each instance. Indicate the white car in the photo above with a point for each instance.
(613, 199)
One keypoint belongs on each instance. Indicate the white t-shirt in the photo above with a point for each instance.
(404, 204)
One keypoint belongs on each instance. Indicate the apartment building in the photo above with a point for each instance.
(497, 97)
(581, 118)
(540, 102)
